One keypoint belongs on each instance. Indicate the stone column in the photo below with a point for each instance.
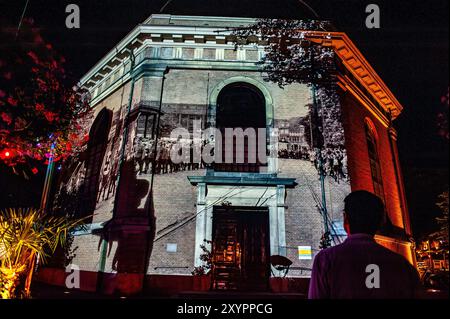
(201, 223)
(281, 194)
(399, 180)
(277, 226)
(273, 228)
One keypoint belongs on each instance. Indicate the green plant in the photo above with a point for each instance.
(25, 236)
(206, 258)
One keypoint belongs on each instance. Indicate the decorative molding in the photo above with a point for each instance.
(357, 65)
(243, 181)
(198, 35)
(394, 241)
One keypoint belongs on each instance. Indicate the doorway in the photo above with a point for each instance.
(240, 249)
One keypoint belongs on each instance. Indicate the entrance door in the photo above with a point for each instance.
(240, 249)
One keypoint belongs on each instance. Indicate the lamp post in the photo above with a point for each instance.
(46, 192)
(326, 240)
(48, 179)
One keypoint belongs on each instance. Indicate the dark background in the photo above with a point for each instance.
(409, 52)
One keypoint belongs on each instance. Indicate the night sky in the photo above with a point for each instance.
(409, 52)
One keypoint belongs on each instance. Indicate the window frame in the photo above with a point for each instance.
(372, 142)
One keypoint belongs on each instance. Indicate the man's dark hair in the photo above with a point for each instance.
(364, 212)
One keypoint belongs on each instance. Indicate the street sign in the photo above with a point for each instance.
(304, 252)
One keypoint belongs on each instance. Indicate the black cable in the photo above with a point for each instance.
(21, 18)
(164, 6)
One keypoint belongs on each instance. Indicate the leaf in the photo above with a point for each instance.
(25, 233)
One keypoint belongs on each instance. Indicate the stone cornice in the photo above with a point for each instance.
(349, 86)
(197, 20)
(158, 34)
(361, 70)
(243, 181)
(202, 36)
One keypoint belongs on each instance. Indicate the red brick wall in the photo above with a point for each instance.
(354, 116)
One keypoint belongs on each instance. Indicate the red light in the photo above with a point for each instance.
(6, 154)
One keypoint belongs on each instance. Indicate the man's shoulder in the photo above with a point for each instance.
(382, 253)
(366, 246)
(391, 255)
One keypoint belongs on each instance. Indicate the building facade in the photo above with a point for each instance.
(158, 223)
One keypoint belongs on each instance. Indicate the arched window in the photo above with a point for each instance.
(240, 105)
(98, 139)
(374, 158)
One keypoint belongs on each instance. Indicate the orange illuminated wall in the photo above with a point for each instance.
(354, 119)
(365, 97)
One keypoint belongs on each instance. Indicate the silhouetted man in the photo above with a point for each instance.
(359, 267)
